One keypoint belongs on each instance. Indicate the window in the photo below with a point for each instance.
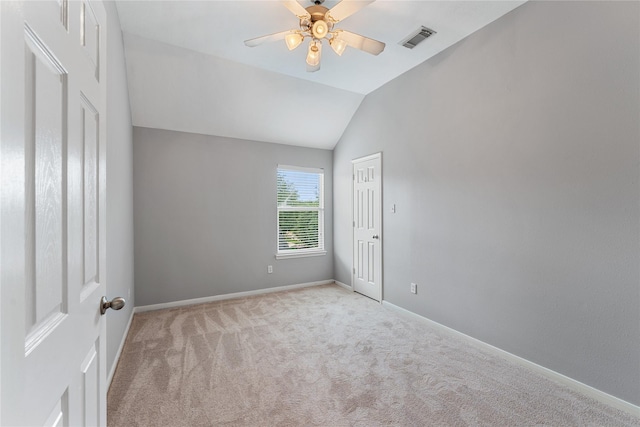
(300, 212)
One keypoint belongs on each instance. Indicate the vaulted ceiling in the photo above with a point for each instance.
(189, 70)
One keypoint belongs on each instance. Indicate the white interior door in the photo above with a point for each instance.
(52, 197)
(367, 226)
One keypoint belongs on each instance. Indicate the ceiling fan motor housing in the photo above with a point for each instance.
(317, 12)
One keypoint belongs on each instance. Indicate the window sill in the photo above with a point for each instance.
(301, 255)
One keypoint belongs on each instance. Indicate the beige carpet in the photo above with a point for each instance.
(325, 356)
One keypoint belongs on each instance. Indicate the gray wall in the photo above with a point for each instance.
(119, 263)
(205, 216)
(513, 158)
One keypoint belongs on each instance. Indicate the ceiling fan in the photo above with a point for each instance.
(317, 22)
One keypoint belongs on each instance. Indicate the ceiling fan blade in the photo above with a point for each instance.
(365, 44)
(268, 38)
(346, 8)
(296, 8)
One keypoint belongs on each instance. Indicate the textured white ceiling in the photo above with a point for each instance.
(189, 69)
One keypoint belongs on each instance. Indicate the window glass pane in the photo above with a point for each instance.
(298, 230)
(298, 189)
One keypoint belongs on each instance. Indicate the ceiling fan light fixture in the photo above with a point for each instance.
(320, 29)
(293, 40)
(317, 22)
(338, 45)
(313, 55)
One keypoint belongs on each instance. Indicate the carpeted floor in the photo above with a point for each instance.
(328, 357)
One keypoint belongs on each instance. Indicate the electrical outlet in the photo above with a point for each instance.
(414, 288)
(269, 269)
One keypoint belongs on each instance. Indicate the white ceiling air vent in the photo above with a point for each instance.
(417, 37)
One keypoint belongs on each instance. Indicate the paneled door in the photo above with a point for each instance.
(367, 226)
(52, 200)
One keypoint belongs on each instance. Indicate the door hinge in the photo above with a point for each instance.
(354, 223)
(354, 270)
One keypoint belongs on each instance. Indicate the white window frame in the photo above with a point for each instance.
(300, 253)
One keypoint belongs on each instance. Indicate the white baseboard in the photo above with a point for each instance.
(343, 285)
(193, 301)
(112, 371)
(574, 385)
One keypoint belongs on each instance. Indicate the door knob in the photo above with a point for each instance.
(117, 303)
(375, 236)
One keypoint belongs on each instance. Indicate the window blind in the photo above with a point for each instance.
(300, 210)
